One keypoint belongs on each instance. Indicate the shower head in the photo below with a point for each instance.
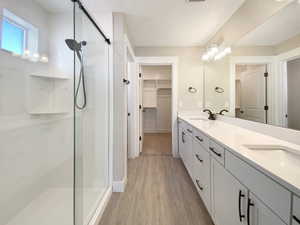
(75, 46)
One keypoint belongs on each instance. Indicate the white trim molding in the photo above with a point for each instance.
(119, 186)
(173, 61)
(101, 207)
(281, 84)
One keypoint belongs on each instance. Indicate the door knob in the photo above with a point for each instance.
(127, 82)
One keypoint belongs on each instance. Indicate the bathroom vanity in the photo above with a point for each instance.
(242, 176)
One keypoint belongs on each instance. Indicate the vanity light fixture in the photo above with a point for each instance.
(215, 52)
(210, 52)
(223, 53)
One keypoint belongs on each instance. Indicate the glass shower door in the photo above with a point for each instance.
(91, 119)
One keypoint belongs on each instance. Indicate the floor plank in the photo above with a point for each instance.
(157, 144)
(159, 192)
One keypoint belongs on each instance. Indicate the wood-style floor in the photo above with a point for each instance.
(157, 144)
(159, 192)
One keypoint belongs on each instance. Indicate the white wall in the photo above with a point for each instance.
(119, 100)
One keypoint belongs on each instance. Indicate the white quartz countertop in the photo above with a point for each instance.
(282, 166)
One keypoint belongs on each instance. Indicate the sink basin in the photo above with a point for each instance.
(272, 148)
(266, 147)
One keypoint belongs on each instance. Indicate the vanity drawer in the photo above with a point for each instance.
(217, 151)
(296, 211)
(201, 138)
(270, 192)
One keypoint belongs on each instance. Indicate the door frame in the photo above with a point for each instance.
(281, 81)
(167, 61)
(254, 60)
(131, 65)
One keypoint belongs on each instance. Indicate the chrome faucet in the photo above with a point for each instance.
(211, 116)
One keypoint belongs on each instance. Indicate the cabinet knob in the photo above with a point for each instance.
(199, 139)
(214, 151)
(199, 159)
(199, 186)
(189, 130)
(241, 195)
(250, 204)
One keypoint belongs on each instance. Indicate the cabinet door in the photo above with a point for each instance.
(228, 197)
(201, 172)
(296, 211)
(188, 153)
(259, 214)
(181, 139)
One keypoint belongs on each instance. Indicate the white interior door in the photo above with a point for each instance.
(130, 109)
(253, 94)
(141, 87)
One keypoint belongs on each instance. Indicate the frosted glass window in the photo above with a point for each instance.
(13, 37)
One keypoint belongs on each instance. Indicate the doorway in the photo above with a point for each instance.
(251, 94)
(156, 91)
(292, 94)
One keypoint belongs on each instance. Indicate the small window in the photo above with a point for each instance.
(13, 37)
(18, 35)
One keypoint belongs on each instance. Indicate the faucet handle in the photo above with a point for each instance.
(222, 112)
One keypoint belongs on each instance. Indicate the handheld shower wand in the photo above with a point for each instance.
(77, 48)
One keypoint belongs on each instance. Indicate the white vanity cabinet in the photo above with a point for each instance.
(296, 211)
(228, 197)
(234, 191)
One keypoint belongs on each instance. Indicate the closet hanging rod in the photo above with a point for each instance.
(107, 40)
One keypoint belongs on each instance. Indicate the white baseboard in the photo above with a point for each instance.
(157, 131)
(102, 206)
(119, 186)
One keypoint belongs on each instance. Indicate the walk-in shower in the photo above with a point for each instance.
(54, 113)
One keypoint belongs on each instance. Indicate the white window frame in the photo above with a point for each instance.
(31, 34)
(25, 38)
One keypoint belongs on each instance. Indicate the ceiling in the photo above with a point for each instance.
(163, 22)
(176, 22)
(55, 5)
(281, 27)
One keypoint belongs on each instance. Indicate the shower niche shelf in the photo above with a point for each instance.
(48, 95)
(50, 77)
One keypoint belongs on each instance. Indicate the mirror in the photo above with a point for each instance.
(259, 80)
